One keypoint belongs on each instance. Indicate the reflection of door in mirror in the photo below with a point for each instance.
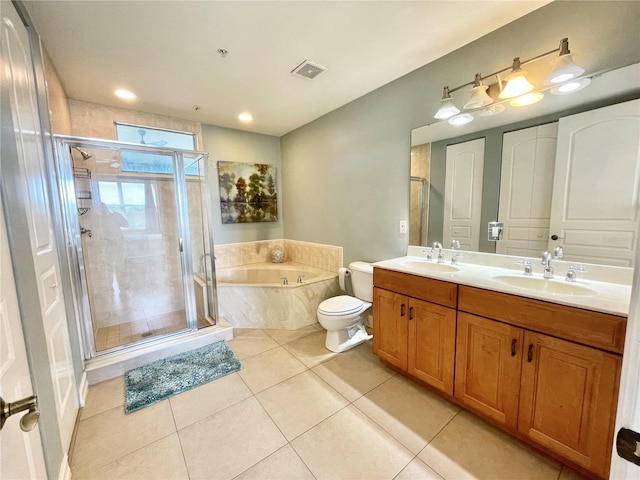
(419, 201)
(463, 194)
(594, 208)
(526, 183)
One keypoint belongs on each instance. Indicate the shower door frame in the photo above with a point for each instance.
(64, 167)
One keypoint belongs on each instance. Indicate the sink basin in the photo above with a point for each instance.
(431, 267)
(545, 285)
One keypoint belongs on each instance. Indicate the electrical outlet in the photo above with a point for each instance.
(403, 226)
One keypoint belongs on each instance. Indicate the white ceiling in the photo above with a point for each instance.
(165, 51)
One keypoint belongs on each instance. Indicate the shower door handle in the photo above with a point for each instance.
(181, 246)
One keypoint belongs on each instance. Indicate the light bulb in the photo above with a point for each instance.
(570, 87)
(461, 119)
(527, 99)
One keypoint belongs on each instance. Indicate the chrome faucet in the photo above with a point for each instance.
(558, 253)
(528, 269)
(285, 280)
(438, 245)
(429, 254)
(546, 261)
(455, 244)
(300, 277)
(572, 274)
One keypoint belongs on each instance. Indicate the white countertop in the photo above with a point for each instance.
(610, 293)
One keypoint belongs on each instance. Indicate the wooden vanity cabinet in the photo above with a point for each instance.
(568, 399)
(560, 394)
(414, 326)
(488, 367)
(547, 373)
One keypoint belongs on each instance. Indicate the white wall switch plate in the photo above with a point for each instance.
(403, 226)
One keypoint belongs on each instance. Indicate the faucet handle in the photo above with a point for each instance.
(455, 244)
(558, 253)
(528, 269)
(455, 257)
(429, 254)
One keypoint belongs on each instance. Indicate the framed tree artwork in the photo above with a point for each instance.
(247, 192)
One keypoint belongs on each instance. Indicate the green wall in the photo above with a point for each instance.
(237, 146)
(346, 174)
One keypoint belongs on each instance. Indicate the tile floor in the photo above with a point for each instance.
(298, 411)
(124, 333)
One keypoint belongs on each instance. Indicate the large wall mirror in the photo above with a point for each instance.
(565, 171)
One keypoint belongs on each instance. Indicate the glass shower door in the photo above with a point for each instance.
(132, 249)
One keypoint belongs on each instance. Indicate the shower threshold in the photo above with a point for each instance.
(112, 365)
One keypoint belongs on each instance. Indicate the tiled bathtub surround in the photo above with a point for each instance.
(269, 306)
(326, 257)
(282, 307)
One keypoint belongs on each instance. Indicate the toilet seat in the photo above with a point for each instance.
(342, 305)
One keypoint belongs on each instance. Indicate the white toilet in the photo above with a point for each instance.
(343, 317)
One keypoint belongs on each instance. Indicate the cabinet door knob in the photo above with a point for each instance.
(530, 353)
(410, 313)
(513, 347)
(402, 310)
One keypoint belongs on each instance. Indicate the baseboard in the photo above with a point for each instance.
(83, 389)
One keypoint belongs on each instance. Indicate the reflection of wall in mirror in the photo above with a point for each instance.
(418, 215)
(491, 178)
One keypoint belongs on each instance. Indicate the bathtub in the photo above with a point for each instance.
(253, 296)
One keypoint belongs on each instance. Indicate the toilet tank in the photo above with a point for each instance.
(362, 280)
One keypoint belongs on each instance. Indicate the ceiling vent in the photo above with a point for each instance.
(308, 70)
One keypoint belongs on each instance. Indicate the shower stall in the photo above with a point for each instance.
(137, 221)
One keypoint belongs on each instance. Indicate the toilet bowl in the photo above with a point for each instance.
(343, 316)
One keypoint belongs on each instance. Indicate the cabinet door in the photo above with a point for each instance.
(488, 364)
(568, 399)
(432, 342)
(390, 312)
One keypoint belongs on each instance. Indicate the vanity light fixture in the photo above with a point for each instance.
(516, 85)
(479, 96)
(447, 108)
(527, 99)
(491, 110)
(462, 119)
(564, 69)
(570, 87)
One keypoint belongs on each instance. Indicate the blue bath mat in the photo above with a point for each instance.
(169, 376)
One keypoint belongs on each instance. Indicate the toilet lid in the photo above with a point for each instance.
(341, 305)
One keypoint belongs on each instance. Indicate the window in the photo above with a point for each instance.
(135, 201)
(151, 162)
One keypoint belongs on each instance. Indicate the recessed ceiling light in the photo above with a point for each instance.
(125, 94)
(245, 117)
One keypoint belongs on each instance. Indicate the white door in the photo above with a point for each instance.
(463, 194)
(20, 453)
(528, 159)
(17, 71)
(595, 190)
